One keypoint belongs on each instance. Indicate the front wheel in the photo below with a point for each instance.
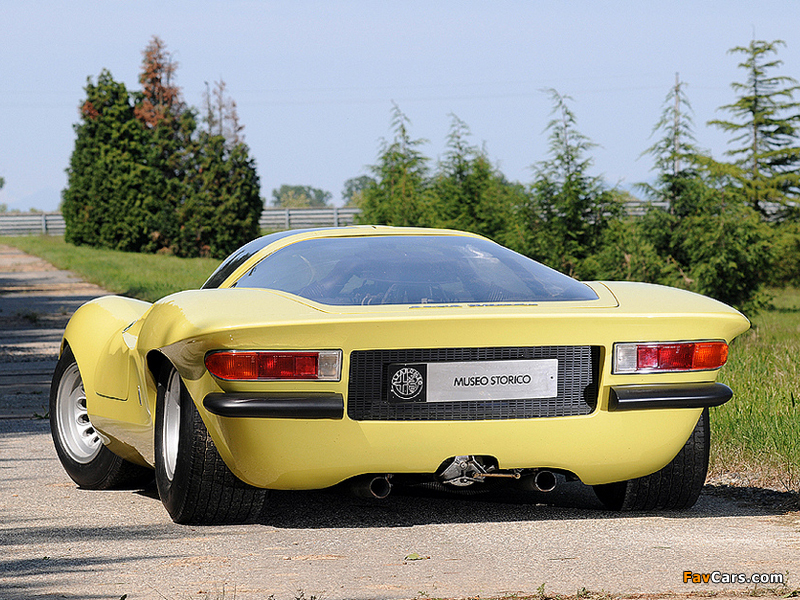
(79, 446)
(194, 484)
(676, 486)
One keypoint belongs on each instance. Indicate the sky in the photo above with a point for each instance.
(315, 82)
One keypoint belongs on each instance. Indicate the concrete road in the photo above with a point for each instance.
(57, 541)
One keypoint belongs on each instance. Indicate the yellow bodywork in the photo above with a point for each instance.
(119, 344)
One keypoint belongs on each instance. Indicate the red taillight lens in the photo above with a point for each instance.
(665, 357)
(287, 366)
(669, 356)
(237, 365)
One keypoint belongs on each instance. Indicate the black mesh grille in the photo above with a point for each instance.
(368, 393)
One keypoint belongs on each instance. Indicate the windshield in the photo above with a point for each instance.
(368, 270)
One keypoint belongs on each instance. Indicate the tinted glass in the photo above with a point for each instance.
(238, 258)
(366, 270)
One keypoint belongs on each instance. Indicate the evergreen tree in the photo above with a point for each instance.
(722, 250)
(143, 178)
(676, 157)
(764, 124)
(105, 194)
(222, 211)
(401, 190)
(222, 206)
(172, 127)
(708, 241)
(468, 193)
(676, 147)
(160, 98)
(569, 209)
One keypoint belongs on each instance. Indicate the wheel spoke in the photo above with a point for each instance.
(80, 439)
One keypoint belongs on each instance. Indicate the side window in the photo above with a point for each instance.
(238, 258)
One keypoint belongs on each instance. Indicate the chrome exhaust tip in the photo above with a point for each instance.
(545, 481)
(371, 487)
(541, 481)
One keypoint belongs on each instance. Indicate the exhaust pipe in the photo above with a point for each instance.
(541, 481)
(371, 487)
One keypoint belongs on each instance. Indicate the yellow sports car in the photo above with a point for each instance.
(387, 356)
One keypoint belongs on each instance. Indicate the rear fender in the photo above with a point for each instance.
(95, 333)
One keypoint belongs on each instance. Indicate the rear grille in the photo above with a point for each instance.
(367, 398)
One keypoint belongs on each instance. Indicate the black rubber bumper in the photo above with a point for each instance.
(685, 395)
(276, 406)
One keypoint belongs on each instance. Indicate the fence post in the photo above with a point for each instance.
(44, 223)
(335, 216)
(288, 220)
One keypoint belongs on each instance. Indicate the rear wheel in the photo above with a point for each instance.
(79, 446)
(193, 482)
(676, 486)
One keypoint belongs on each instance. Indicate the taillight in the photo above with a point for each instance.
(253, 365)
(669, 356)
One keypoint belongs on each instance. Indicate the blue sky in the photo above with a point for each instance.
(315, 81)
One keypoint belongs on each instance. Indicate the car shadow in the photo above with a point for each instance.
(406, 507)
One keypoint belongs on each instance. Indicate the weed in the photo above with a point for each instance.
(30, 316)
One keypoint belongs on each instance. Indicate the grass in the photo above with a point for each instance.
(755, 436)
(144, 276)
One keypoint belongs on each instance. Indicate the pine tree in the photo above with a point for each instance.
(160, 97)
(104, 196)
(764, 124)
(709, 241)
(675, 150)
(221, 208)
(468, 193)
(400, 193)
(569, 209)
(143, 178)
(172, 126)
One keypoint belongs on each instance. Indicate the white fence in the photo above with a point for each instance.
(272, 219)
(32, 223)
(300, 218)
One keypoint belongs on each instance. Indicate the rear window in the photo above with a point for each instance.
(369, 270)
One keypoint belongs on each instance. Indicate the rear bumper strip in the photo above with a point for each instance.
(687, 395)
(276, 405)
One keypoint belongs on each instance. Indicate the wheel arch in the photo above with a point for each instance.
(92, 326)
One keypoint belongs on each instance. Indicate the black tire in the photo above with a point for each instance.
(675, 487)
(193, 482)
(80, 448)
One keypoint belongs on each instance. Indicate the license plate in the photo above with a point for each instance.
(478, 380)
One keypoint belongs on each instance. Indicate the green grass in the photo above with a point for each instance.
(757, 434)
(144, 276)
